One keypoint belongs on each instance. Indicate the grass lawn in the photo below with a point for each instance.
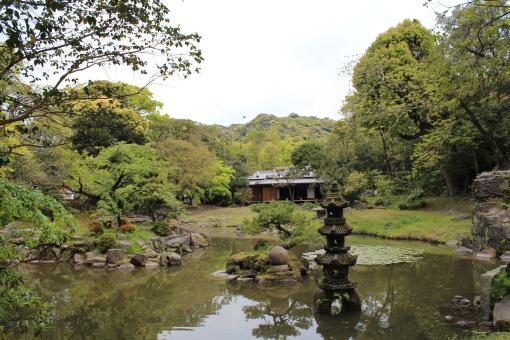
(437, 221)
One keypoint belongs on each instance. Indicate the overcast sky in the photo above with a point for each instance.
(274, 56)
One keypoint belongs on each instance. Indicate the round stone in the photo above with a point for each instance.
(278, 256)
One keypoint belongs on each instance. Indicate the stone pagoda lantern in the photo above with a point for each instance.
(336, 293)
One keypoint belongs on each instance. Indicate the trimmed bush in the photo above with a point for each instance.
(107, 241)
(161, 228)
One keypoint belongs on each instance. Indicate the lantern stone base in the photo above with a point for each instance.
(335, 302)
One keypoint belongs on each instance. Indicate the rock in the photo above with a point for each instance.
(453, 243)
(176, 240)
(463, 323)
(126, 266)
(501, 316)
(66, 256)
(485, 285)
(486, 254)
(280, 268)
(156, 244)
(186, 249)
(223, 275)
(89, 256)
(171, 259)
(98, 261)
(150, 265)
(491, 216)
(278, 256)
(138, 260)
(491, 184)
(123, 244)
(50, 253)
(464, 250)
(198, 240)
(150, 253)
(461, 300)
(505, 256)
(114, 256)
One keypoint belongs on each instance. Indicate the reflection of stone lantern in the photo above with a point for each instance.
(335, 292)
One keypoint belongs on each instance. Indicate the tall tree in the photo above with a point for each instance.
(475, 44)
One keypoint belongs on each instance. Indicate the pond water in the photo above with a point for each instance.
(400, 301)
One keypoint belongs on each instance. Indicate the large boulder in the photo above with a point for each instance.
(278, 256)
(114, 256)
(491, 215)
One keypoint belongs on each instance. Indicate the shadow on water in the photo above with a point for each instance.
(400, 301)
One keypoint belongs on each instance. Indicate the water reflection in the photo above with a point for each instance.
(400, 301)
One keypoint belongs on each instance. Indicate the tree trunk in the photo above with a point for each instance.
(386, 158)
(450, 183)
(499, 154)
(475, 162)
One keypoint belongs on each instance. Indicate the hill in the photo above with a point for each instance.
(294, 127)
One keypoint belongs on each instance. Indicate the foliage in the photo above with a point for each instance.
(218, 189)
(106, 241)
(356, 183)
(127, 228)
(112, 114)
(20, 307)
(161, 228)
(308, 155)
(500, 286)
(127, 178)
(41, 47)
(32, 206)
(415, 199)
(95, 227)
(243, 196)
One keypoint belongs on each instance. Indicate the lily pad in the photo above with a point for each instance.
(374, 255)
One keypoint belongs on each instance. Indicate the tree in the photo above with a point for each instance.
(126, 178)
(308, 155)
(193, 166)
(474, 42)
(113, 114)
(20, 307)
(47, 43)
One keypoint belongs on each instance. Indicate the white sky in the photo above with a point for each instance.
(273, 56)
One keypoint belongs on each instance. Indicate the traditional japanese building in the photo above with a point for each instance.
(336, 293)
(284, 185)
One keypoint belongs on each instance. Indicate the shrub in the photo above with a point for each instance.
(416, 199)
(134, 249)
(500, 286)
(107, 241)
(357, 182)
(310, 205)
(96, 227)
(127, 228)
(161, 228)
(384, 185)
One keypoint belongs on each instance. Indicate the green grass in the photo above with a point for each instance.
(436, 221)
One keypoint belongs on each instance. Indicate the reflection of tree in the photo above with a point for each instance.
(133, 304)
(282, 319)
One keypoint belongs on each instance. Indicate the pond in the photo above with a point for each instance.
(400, 301)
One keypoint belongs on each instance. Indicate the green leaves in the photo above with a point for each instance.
(32, 206)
